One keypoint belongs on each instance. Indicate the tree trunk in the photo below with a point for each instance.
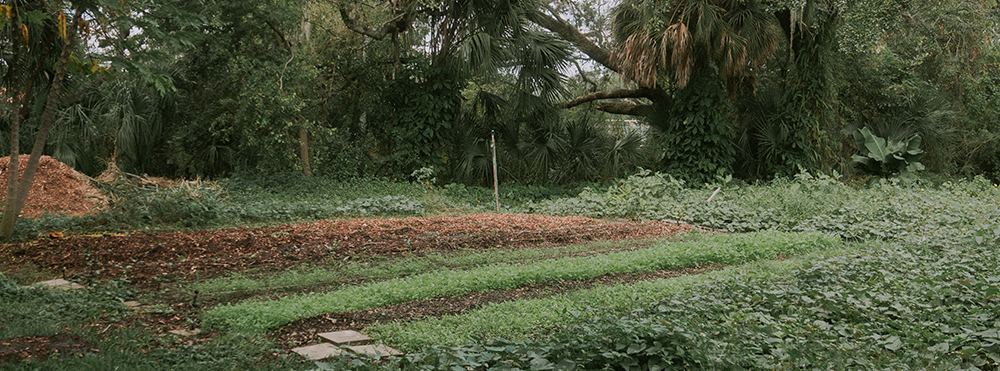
(13, 206)
(304, 150)
(9, 212)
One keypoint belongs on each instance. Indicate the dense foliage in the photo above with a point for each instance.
(350, 89)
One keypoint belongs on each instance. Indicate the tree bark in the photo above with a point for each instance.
(11, 211)
(304, 150)
(631, 109)
(612, 94)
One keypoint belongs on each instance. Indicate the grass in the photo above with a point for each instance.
(725, 249)
(39, 311)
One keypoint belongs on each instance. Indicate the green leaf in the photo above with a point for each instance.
(876, 146)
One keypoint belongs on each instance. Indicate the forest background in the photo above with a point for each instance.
(571, 90)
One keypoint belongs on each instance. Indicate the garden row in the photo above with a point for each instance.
(259, 315)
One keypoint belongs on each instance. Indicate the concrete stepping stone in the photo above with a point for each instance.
(60, 284)
(185, 332)
(346, 337)
(380, 351)
(134, 305)
(317, 352)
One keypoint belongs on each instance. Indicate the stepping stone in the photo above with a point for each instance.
(346, 337)
(375, 350)
(134, 305)
(183, 332)
(317, 352)
(60, 283)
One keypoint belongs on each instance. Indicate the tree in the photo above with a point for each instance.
(54, 35)
(455, 41)
(683, 56)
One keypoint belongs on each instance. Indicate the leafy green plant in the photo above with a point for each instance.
(887, 157)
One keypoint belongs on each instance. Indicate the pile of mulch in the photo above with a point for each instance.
(169, 256)
(40, 348)
(56, 188)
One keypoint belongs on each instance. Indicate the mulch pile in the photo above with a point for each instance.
(57, 188)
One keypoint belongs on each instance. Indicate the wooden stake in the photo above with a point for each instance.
(496, 182)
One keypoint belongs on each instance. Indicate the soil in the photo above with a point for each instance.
(152, 262)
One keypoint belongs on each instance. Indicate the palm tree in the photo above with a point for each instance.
(697, 51)
(478, 38)
(685, 37)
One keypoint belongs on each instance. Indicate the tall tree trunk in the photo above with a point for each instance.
(304, 150)
(13, 206)
(9, 212)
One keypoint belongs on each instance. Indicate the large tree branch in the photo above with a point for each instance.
(390, 27)
(573, 35)
(614, 94)
(279, 36)
(623, 108)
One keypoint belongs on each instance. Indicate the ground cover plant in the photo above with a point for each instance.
(913, 211)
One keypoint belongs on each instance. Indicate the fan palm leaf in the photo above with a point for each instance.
(684, 35)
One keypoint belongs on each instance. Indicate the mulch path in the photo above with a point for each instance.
(149, 258)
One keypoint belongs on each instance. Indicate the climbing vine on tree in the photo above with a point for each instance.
(696, 135)
(424, 101)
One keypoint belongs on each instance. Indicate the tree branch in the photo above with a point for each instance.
(583, 76)
(390, 27)
(613, 94)
(278, 36)
(573, 35)
(631, 109)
